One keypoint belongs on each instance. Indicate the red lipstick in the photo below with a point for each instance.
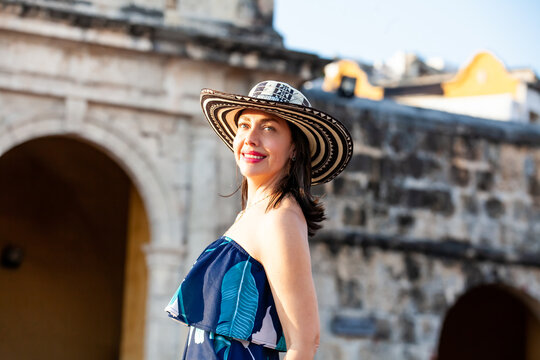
(252, 156)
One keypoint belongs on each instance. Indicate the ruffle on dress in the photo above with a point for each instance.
(227, 293)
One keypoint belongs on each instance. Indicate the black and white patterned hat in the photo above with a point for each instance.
(329, 141)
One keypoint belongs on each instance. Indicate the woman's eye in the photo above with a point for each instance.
(242, 126)
(269, 128)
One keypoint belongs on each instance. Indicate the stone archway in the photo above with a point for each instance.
(164, 254)
(122, 148)
(79, 223)
(491, 322)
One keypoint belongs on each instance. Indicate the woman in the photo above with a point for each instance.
(250, 294)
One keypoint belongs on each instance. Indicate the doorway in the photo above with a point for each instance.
(70, 251)
(491, 322)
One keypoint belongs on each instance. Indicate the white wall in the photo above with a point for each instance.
(496, 107)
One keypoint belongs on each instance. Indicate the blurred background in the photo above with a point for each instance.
(445, 34)
(110, 177)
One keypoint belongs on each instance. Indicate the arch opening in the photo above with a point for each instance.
(491, 322)
(79, 223)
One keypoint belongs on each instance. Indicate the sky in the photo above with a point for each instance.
(374, 30)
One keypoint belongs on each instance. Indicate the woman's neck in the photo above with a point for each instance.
(257, 191)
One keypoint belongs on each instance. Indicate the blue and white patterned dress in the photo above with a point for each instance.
(227, 302)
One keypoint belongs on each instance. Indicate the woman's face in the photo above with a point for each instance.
(262, 146)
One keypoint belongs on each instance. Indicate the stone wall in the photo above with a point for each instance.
(130, 88)
(249, 20)
(431, 205)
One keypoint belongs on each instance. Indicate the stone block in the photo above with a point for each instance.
(412, 268)
(354, 216)
(407, 328)
(428, 328)
(520, 211)
(389, 168)
(383, 329)
(346, 186)
(366, 164)
(413, 165)
(534, 189)
(511, 168)
(374, 188)
(353, 326)
(393, 195)
(470, 204)
(467, 148)
(404, 140)
(494, 208)
(350, 293)
(459, 176)
(436, 200)
(373, 132)
(405, 221)
(484, 180)
(419, 167)
(440, 144)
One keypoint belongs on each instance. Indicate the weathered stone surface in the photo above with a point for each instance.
(534, 188)
(466, 147)
(372, 133)
(346, 186)
(405, 221)
(354, 326)
(460, 176)
(354, 216)
(412, 165)
(438, 143)
(242, 36)
(404, 298)
(494, 207)
(484, 180)
(470, 204)
(450, 203)
(365, 163)
(445, 170)
(436, 200)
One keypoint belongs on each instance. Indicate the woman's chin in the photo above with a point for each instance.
(260, 175)
(252, 173)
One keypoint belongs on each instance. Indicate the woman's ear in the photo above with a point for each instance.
(293, 153)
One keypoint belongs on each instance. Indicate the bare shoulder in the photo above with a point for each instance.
(283, 230)
(287, 214)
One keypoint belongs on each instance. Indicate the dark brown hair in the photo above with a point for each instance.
(297, 183)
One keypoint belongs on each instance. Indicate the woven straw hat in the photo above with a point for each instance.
(329, 141)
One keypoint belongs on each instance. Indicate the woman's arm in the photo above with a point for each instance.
(284, 252)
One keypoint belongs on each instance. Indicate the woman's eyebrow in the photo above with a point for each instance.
(270, 119)
(242, 117)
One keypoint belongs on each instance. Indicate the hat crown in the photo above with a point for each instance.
(280, 92)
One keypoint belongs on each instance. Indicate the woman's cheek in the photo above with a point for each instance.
(236, 146)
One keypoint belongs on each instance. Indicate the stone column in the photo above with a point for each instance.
(163, 335)
(204, 217)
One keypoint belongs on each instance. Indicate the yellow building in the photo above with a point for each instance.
(347, 77)
(483, 87)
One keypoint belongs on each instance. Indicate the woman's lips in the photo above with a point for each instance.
(252, 157)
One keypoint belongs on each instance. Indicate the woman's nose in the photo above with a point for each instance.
(251, 137)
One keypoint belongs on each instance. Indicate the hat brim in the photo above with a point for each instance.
(330, 143)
